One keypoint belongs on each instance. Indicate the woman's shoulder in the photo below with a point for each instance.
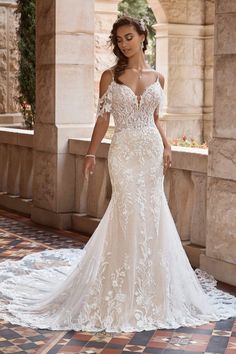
(108, 74)
(160, 77)
(106, 79)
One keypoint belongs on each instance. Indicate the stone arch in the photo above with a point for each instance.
(158, 10)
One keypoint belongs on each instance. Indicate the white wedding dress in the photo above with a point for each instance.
(133, 274)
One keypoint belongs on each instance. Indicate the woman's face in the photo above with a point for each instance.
(128, 40)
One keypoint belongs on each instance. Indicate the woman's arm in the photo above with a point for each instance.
(167, 146)
(100, 128)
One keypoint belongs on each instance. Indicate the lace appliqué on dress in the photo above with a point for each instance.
(105, 104)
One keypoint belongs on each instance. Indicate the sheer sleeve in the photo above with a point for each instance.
(160, 106)
(105, 104)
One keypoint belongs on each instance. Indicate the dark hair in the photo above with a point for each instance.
(122, 60)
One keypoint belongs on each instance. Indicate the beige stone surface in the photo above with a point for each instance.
(194, 159)
(221, 270)
(222, 158)
(3, 24)
(3, 59)
(84, 224)
(193, 252)
(3, 91)
(50, 218)
(192, 128)
(46, 17)
(226, 34)
(225, 6)
(45, 49)
(8, 58)
(13, 176)
(18, 137)
(45, 91)
(4, 163)
(221, 220)
(198, 220)
(176, 11)
(209, 11)
(74, 102)
(209, 51)
(77, 18)
(73, 50)
(19, 205)
(13, 92)
(45, 180)
(225, 96)
(26, 172)
(195, 11)
(54, 182)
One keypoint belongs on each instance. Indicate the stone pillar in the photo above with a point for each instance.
(220, 258)
(208, 70)
(105, 15)
(180, 43)
(64, 104)
(8, 64)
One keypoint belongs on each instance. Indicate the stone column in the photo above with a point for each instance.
(220, 258)
(8, 64)
(65, 103)
(180, 43)
(208, 70)
(105, 15)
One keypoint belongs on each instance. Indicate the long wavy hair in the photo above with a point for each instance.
(122, 60)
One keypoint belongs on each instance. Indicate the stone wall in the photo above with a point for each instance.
(8, 63)
(220, 259)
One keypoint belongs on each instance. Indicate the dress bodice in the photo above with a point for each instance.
(129, 110)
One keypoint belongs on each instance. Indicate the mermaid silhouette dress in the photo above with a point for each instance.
(133, 274)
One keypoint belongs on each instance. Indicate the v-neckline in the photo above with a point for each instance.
(146, 88)
(140, 97)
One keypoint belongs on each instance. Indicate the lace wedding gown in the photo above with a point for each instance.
(133, 274)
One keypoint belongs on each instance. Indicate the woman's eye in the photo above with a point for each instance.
(129, 38)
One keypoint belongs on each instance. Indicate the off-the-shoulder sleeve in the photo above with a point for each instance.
(160, 106)
(104, 104)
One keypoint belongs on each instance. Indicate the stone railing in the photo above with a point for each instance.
(16, 166)
(185, 188)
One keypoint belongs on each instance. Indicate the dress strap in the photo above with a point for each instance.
(157, 79)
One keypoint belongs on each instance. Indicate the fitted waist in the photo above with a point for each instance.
(137, 126)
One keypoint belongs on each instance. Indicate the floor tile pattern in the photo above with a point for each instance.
(19, 237)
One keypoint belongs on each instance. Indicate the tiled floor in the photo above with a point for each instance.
(19, 236)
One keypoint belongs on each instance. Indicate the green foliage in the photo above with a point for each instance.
(141, 10)
(26, 45)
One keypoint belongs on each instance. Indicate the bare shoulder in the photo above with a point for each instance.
(106, 79)
(161, 79)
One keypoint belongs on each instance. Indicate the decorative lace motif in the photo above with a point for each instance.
(133, 274)
(105, 103)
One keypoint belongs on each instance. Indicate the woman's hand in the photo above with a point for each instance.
(166, 158)
(89, 166)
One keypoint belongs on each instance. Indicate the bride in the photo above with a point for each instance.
(133, 273)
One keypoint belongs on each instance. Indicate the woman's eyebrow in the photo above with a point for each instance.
(127, 34)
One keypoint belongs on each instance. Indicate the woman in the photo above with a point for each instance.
(133, 274)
